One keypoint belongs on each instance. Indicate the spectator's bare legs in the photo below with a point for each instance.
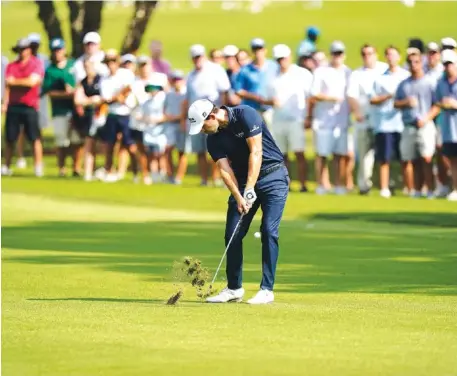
(340, 170)
(350, 165)
(61, 153)
(9, 147)
(408, 175)
(203, 167)
(89, 157)
(20, 146)
(182, 167)
(169, 159)
(418, 173)
(123, 161)
(453, 163)
(37, 147)
(384, 175)
(109, 151)
(321, 166)
(78, 152)
(427, 168)
(443, 165)
(133, 150)
(143, 159)
(302, 169)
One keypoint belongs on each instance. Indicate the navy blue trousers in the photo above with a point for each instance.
(272, 191)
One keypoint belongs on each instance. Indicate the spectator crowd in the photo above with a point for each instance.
(133, 110)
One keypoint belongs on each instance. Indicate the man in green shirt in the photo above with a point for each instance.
(59, 85)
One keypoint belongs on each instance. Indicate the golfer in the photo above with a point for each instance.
(252, 167)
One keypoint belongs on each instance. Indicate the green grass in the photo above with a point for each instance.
(365, 286)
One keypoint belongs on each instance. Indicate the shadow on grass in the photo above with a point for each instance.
(351, 257)
(107, 300)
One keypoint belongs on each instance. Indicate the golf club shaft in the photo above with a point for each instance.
(228, 245)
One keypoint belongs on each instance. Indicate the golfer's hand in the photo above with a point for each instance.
(243, 206)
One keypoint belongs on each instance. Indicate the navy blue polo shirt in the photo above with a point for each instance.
(230, 142)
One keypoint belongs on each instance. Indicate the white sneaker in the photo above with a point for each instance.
(100, 173)
(340, 191)
(415, 194)
(111, 178)
(227, 295)
(136, 179)
(147, 180)
(39, 171)
(21, 163)
(262, 297)
(385, 193)
(88, 177)
(442, 191)
(6, 171)
(320, 190)
(452, 196)
(430, 195)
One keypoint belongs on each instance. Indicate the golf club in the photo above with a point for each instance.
(235, 231)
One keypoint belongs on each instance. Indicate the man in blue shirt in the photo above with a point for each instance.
(252, 167)
(253, 78)
(446, 100)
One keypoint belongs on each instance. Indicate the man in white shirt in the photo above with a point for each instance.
(91, 42)
(385, 118)
(330, 117)
(288, 93)
(359, 92)
(116, 92)
(206, 81)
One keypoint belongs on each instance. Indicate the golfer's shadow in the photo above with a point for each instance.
(110, 300)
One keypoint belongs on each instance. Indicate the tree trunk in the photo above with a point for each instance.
(76, 9)
(92, 16)
(48, 16)
(137, 27)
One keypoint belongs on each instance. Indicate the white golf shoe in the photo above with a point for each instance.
(227, 295)
(262, 297)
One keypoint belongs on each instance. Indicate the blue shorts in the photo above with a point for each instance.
(450, 149)
(117, 124)
(191, 144)
(387, 147)
(137, 136)
(172, 132)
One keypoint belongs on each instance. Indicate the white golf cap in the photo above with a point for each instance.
(448, 42)
(337, 46)
(34, 38)
(280, 51)
(433, 46)
(449, 56)
(257, 43)
(92, 37)
(230, 50)
(197, 50)
(143, 59)
(198, 112)
(128, 58)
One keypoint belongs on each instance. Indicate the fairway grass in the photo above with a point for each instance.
(365, 286)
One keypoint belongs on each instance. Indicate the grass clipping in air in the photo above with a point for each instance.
(190, 270)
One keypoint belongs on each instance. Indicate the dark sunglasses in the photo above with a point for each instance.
(337, 53)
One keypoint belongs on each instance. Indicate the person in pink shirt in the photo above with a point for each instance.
(21, 102)
(158, 64)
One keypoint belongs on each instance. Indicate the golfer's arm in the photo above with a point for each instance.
(255, 159)
(228, 177)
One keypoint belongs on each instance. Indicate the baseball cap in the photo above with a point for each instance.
(110, 55)
(280, 51)
(433, 46)
(153, 84)
(92, 37)
(177, 75)
(34, 38)
(197, 50)
(257, 43)
(56, 44)
(198, 112)
(230, 50)
(306, 49)
(449, 56)
(143, 59)
(128, 58)
(337, 46)
(448, 43)
(21, 44)
(312, 31)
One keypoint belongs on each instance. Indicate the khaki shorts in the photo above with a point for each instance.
(289, 136)
(63, 134)
(418, 142)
